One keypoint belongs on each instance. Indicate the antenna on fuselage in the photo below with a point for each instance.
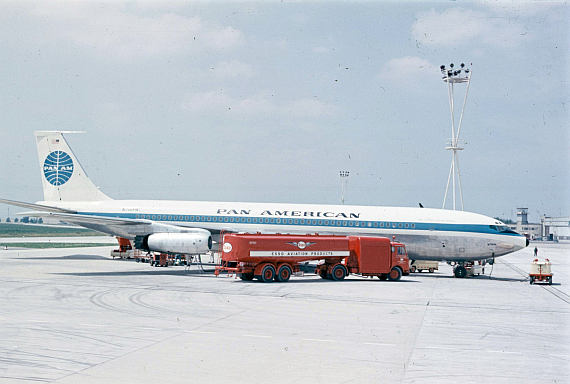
(451, 77)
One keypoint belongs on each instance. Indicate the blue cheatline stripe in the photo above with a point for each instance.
(198, 220)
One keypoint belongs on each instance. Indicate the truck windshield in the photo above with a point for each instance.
(401, 251)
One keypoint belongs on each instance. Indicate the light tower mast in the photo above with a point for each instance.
(451, 77)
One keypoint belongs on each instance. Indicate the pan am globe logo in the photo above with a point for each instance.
(58, 168)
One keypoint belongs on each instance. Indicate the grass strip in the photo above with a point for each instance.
(38, 230)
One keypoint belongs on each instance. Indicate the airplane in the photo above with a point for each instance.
(190, 227)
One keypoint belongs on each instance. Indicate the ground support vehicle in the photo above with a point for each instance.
(469, 268)
(423, 265)
(277, 257)
(159, 260)
(125, 250)
(540, 271)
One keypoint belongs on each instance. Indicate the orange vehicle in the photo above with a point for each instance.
(277, 257)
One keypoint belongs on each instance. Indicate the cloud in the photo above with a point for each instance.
(121, 31)
(232, 70)
(456, 26)
(320, 49)
(407, 69)
(262, 103)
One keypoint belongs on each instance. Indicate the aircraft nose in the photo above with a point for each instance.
(527, 242)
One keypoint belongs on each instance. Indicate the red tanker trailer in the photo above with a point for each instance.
(277, 257)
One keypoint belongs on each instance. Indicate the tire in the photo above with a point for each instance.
(323, 274)
(246, 276)
(531, 280)
(550, 280)
(413, 269)
(338, 272)
(420, 270)
(460, 272)
(395, 274)
(431, 270)
(383, 277)
(283, 273)
(267, 273)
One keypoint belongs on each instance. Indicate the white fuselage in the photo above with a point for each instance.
(428, 234)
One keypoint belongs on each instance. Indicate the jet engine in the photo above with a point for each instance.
(192, 243)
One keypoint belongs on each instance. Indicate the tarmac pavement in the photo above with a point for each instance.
(78, 316)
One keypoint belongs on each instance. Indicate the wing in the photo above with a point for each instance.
(115, 226)
(127, 228)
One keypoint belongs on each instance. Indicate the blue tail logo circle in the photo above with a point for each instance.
(58, 168)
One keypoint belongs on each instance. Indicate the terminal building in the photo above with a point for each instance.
(549, 228)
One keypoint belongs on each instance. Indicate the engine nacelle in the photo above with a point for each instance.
(196, 242)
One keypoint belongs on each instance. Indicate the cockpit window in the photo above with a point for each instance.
(500, 228)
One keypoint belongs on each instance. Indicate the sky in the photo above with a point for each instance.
(269, 101)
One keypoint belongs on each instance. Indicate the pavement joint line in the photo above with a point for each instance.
(383, 344)
(202, 332)
(323, 340)
(451, 349)
(260, 336)
(513, 353)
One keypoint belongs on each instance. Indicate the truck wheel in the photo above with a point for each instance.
(283, 273)
(531, 280)
(460, 271)
(323, 274)
(395, 274)
(267, 273)
(413, 269)
(550, 280)
(383, 277)
(338, 272)
(431, 270)
(246, 276)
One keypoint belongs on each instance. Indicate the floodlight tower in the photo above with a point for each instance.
(343, 184)
(451, 77)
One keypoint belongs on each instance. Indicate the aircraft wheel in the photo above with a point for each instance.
(395, 274)
(338, 272)
(283, 273)
(460, 271)
(267, 273)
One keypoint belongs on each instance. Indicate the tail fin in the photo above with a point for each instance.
(63, 178)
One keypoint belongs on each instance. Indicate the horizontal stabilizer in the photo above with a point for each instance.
(38, 207)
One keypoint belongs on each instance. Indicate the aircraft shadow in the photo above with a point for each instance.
(151, 272)
(70, 257)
